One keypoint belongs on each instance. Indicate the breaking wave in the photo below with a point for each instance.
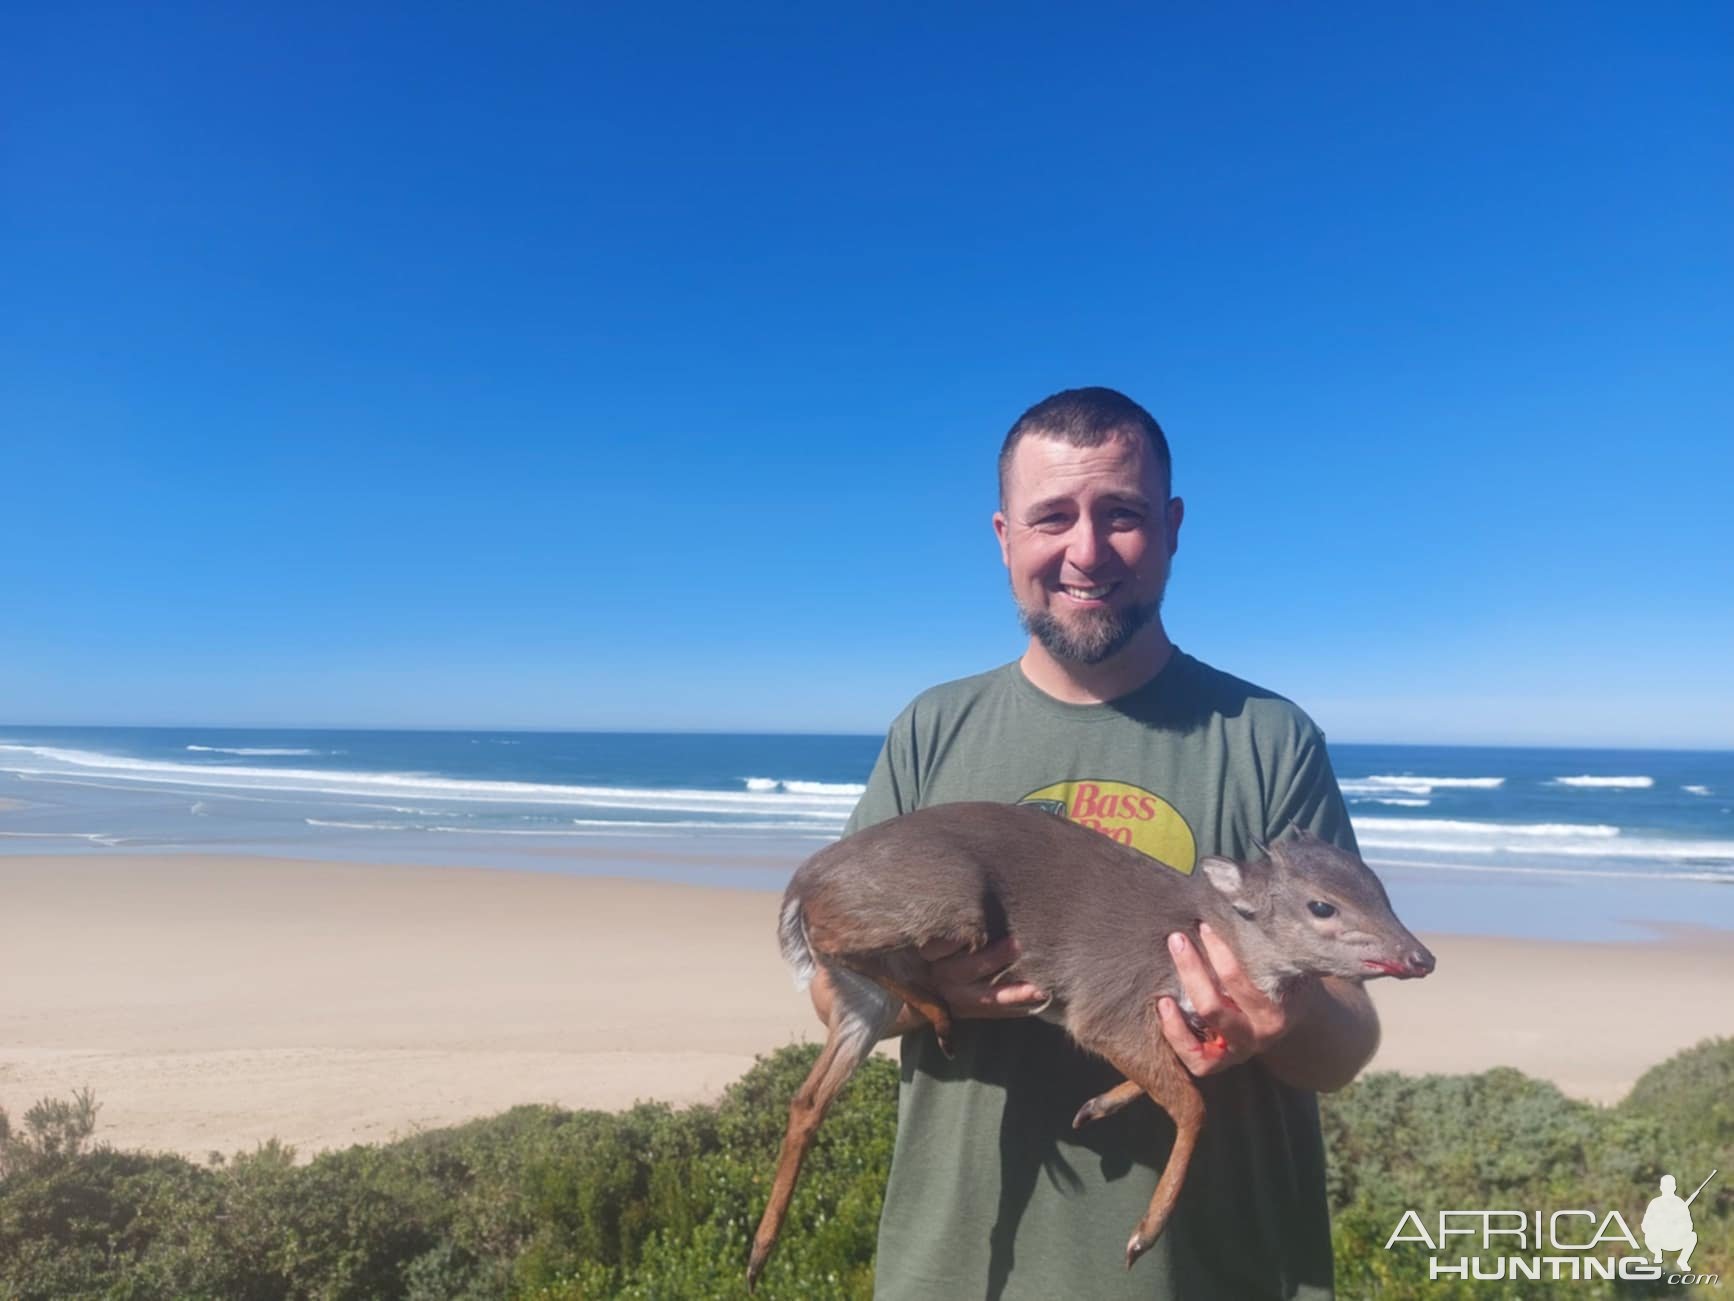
(1405, 785)
(852, 789)
(1535, 840)
(817, 800)
(250, 750)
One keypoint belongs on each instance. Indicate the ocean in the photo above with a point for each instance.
(1553, 844)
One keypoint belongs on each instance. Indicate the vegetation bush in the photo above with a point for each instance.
(556, 1205)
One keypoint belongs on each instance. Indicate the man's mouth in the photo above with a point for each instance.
(1095, 593)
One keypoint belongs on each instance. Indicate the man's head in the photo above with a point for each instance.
(1668, 1183)
(1086, 523)
(1087, 417)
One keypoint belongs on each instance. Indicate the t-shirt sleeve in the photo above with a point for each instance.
(1311, 798)
(891, 786)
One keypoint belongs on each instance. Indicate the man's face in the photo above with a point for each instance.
(1087, 534)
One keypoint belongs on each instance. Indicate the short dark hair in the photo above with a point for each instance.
(1086, 417)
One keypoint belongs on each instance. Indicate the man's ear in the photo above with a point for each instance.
(999, 531)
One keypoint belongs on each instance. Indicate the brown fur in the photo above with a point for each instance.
(1091, 917)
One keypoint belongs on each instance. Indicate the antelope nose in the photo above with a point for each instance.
(1420, 961)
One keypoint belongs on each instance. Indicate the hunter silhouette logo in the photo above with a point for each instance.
(1667, 1223)
(1575, 1244)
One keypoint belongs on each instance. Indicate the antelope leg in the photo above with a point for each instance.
(860, 1014)
(1107, 1104)
(928, 1002)
(1165, 1078)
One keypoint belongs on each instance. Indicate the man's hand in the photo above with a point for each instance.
(1239, 1019)
(973, 984)
(967, 982)
(1318, 1037)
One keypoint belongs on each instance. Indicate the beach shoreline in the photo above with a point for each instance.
(212, 1002)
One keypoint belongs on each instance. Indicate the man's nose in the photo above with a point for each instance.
(1085, 545)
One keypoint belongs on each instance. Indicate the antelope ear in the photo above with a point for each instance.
(1224, 874)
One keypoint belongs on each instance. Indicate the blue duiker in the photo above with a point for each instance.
(1091, 918)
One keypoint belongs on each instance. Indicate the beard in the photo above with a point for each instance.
(1092, 636)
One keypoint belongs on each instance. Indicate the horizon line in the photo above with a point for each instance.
(735, 731)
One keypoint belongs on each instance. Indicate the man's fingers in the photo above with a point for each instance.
(982, 983)
(1215, 1052)
(1222, 960)
(1263, 1015)
(1181, 1039)
(1195, 975)
(1013, 995)
(962, 968)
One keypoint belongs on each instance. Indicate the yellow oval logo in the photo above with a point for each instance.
(1126, 813)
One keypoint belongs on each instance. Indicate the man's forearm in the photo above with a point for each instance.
(1337, 1035)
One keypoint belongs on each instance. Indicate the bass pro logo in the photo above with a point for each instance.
(1126, 813)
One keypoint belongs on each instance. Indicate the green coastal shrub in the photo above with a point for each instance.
(1500, 1140)
(655, 1203)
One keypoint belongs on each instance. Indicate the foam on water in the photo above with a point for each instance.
(1417, 785)
(819, 801)
(1607, 783)
(253, 750)
(89, 837)
(1537, 841)
(854, 790)
(1447, 825)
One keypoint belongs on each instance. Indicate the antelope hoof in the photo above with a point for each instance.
(1136, 1247)
(1086, 1113)
(756, 1265)
(945, 1045)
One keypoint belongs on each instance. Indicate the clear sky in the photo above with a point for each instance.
(533, 365)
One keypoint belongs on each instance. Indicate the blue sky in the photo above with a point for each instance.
(541, 367)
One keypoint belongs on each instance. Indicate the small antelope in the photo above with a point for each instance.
(1092, 918)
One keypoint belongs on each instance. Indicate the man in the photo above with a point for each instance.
(1104, 720)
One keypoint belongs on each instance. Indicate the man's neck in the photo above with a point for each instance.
(1141, 659)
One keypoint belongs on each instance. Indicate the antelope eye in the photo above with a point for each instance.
(1319, 908)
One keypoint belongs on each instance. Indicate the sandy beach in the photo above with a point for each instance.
(214, 1002)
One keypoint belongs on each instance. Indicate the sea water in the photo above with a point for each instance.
(1548, 843)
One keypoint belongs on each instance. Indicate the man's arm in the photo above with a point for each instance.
(1335, 1035)
(1326, 1031)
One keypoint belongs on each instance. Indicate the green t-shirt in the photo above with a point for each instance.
(992, 1193)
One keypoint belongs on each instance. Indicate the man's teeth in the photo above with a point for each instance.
(1088, 593)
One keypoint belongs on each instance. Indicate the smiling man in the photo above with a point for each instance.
(1103, 720)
